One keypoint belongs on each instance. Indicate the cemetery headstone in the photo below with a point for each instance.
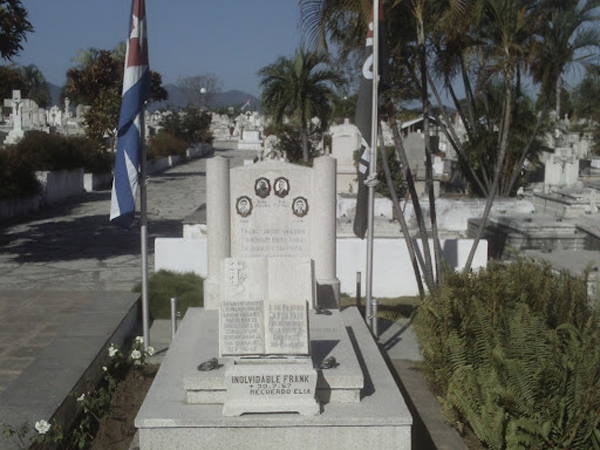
(16, 134)
(345, 140)
(273, 209)
(561, 169)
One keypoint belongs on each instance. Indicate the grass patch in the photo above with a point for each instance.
(392, 308)
(187, 288)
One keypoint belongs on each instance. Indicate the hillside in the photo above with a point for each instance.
(177, 99)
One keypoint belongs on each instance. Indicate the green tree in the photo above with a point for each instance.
(98, 82)
(10, 78)
(587, 107)
(487, 47)
(299, 89)
(14, 27)
(191, 125)
(35, 86)
(568, 37)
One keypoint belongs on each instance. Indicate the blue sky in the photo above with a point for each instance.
(230, 38)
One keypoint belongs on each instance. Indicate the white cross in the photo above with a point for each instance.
(15, 103)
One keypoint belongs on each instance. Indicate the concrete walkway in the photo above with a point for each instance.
(48, 261)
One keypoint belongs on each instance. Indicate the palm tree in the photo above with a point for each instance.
(568, 37)
(298, 89)
(86, 58)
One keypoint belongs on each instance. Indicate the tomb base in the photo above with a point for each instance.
(267, 386)
(361, 406)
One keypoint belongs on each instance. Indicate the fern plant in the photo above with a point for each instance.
(515, 352)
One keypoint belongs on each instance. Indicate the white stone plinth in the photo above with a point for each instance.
(380, 421)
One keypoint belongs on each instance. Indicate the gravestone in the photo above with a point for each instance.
(55, 116)
(272, 209)
(250, 139)
(263, 365)
(561, 169)
(256, 323)
(16, 134)
(345, 140)
(30, 116)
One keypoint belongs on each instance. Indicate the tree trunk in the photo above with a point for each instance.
(400, 214)
(304, 136)
(503, 144)
(429, 164)
(470, 100)
(428, 269)
(453, 138)
(558, 89)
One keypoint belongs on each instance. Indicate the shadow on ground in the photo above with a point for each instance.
(80, 238)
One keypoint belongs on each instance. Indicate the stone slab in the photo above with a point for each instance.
(266, 219)
(329, 337)
(381, 421)
(263, 307)
(271, 386)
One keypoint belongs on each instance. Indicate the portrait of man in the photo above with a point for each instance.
(282, 187)
(262, 187)
(300, 206)
(243, 206)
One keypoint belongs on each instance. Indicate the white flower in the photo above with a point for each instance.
(150, 351)
(104, 369)
(42, 427)
(136, 354)
(81, 398)
(112, 351)
(139, 340)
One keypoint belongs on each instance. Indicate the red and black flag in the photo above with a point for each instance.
(364, 111)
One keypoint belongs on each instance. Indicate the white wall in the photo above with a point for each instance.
(61, 184)
(393, 272)
(452, 214)
(181, 255)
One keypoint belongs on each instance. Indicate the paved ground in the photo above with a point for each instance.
(47, 261)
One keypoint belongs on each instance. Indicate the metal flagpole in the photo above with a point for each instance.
(144, 231)
(372, 165)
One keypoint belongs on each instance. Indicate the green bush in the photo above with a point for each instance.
(290, 142)
(45, 151)
(165, 144)
(515, 353)
(50, 151)
(17, 176)
(191, 125)
(39, 151)
(187, 288)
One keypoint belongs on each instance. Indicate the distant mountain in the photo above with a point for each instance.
(178, 99)
(54, 94)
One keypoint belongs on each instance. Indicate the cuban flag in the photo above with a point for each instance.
(136, 90)
(362, 119)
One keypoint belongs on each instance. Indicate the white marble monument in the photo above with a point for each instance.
(16, 134)
(561, 169)
(345, 140)
(264, 365)
(272, 209)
